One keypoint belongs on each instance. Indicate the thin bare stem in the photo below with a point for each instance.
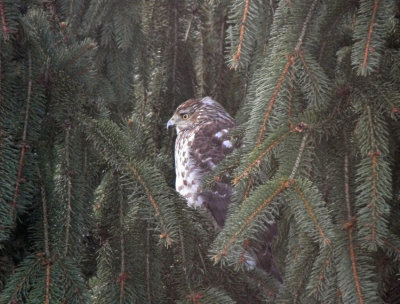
(305, 24)
(3, 20)
(299, 155)
(148, 279)
(184, 262)
(350, 219)
(122, 248)
(24, 135)
(68, 173)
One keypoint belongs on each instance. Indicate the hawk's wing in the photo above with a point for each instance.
(211, 145)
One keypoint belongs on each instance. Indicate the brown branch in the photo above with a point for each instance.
(299, 155)
(45, 222)
(350, 218)
(386, 242)
(371, 25)
(246, 193)
(290, 101)
(24, 135)
(354, 265)
(68, 172)
(3, 20)
(148, 278)
(305, 24)
(374, 154)
(48, 264)
(236, 56)
(122, 246)
(283, 185)
(46, 241)
(202, 259)
(184, 262)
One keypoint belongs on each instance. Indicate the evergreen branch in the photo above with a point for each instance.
(236, 56)
(112, 142)
(153, 202)
(223, 252)
(67, 125)
(257, 161)
(371, 25)
(272, 100)
(329, 32)
(291, 60)
(309, 209)
(322, 275)
(22, 277)
(72, 279)
(24, 135)
(3, 19)
(373, 177)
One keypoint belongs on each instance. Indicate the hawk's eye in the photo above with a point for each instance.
(185, 116)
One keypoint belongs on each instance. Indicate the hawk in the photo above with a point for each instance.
(202, 141)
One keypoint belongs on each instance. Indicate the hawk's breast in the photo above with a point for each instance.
(188, 175)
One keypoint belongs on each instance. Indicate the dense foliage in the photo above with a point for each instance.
(88, 210)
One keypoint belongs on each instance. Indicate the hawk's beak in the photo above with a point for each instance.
(170, 123)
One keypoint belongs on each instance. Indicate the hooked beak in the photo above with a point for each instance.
(170, 123)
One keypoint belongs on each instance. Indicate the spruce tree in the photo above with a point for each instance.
(88, 210)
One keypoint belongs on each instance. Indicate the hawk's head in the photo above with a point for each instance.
(194, 112)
